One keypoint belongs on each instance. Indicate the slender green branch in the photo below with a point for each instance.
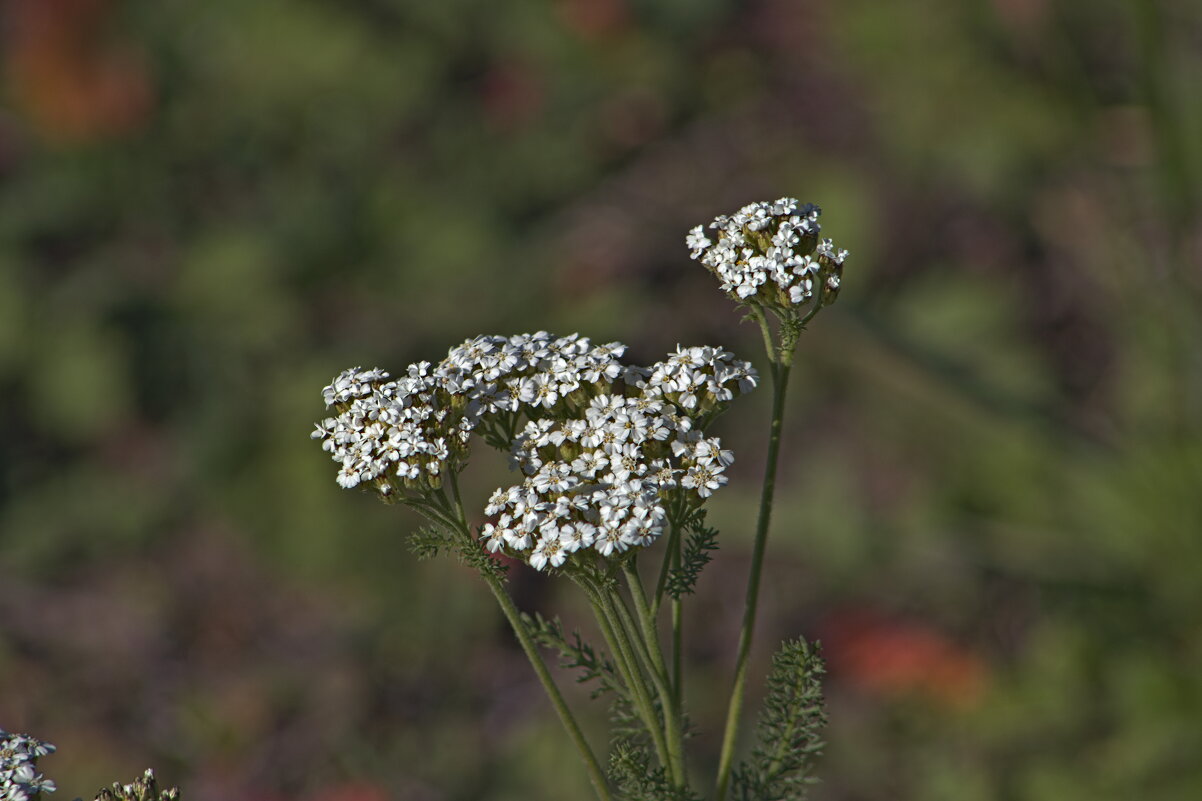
(675, 547)
(627, 663)
(595, 774)
(757, 314)
(677, 636)
(448, 509)
(677, 639)
(630, 639)
(646, 619)
(434, 514)
(455, 492)
(649, 653)
(661, 582)
(781, 362)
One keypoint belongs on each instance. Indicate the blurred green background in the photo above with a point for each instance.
(992, 487)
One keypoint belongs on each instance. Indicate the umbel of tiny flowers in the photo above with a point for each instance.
(770, 255)
(405, 435)
(144, 789)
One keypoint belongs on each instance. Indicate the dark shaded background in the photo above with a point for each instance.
(991, 510)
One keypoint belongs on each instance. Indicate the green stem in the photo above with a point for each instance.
(671, 561)
(455, 493)
(642, 650)
(661, 583)
(757, 314)
(627, 664)
(561, 708)
(667, 692)
(781, 362)
(434, 515)
(677, 638)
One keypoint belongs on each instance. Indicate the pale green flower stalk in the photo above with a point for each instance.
(769, 258)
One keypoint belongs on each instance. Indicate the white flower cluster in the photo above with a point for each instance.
(608, 478)
(603, 481)
(529, 370)
(771, 253)
(19, 777)
(388, 431)
(409, 432)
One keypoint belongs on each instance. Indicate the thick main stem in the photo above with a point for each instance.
(780, 381)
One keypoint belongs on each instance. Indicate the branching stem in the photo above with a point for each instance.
(627, 662)
(659, 672)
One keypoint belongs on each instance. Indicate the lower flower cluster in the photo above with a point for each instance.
(609, 452)
(607, 481)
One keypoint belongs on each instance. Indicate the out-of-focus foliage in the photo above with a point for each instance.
(990, 506)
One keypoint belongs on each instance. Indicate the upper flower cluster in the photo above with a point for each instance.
(771, 254)
(507, 374)
(606, 448)
(19, 777)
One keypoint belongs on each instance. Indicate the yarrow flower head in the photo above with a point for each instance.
(19, 777)
(394, 434)
(770, 254)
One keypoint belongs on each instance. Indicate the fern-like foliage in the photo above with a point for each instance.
(700, 540)
(576, 654)
(428, 542)
(473, 554)
(790, 728)
(634, 779)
